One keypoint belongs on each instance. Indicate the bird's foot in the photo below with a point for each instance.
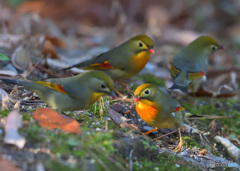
(146, 133)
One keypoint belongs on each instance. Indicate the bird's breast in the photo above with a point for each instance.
(140, 60)
(147, 112)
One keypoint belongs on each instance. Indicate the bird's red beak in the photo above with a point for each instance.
(222, 47)
(151, 51)
(136, 99)
(113, 94)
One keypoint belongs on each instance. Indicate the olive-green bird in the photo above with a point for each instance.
(123, 61)
(158, 109)
(71, 93)
(190, 65)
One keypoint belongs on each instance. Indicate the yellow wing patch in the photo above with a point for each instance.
(190, 75)
(174, 71)
(53, 86)
(104, 65)
(195, 75)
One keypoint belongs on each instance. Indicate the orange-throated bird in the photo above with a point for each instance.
(159, 110)
(123, 61)
(71, 93)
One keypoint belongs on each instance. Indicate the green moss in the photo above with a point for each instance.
(164, 161)
(4, 113)
(188, 141)
(230, 125)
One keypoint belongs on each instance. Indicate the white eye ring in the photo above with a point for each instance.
(214, 48)
(147, 91)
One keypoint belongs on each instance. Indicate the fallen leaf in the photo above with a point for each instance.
(6, 165)
(203, 152)
(13, 122)
(21, 58)
(8, 73)
(48, 49)
(119, 108)
(50, 119)
(120, 120)
(203, 93)
(56, 41)
(215, 128)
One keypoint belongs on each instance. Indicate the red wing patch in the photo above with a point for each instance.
(53, 86)
(104, 65)
(179, 108)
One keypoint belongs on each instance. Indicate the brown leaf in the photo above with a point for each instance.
(56, 41)
(50, 119)
(203, 93)
(120, 120)
(21, 58)
(13, 122)
(203, 152)
(215, 128)
(6, 165)
(48, 49)
(119, 108)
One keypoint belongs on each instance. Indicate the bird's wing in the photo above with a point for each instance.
(52, 86)
(60, 86)
(107, 60)
(174, 71)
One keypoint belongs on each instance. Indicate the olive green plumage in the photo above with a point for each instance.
(190, 65)
(71, 93)
(123, 61)
(168, 112)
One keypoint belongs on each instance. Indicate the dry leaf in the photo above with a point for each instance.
(121, 120)
(203, 152)
(48, 49)
(8, 73)
(215, 128)
(50, 119)
(13, 122)
(203, 93)
(21, 58)
(56, 41)
(6, 165)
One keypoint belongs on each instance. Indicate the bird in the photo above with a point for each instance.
(123, 61)
(189, 66)
(159, 110)
(70, 93)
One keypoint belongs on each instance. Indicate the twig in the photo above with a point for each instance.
(165, 135)
(130, 160)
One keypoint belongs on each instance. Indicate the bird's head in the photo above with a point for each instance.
(140, 43)
(206, 45)
(146, 92)
(100, 83)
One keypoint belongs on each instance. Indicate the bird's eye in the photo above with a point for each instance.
(140, 44)
(103, 86)
(213, 48)
(147, 92)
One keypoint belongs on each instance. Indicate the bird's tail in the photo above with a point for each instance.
(181, 82)
(180, 87)
(19, 82)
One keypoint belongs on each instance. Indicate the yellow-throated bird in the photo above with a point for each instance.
(72, 93)
(158, 109)
(190, 65)
(123, 61)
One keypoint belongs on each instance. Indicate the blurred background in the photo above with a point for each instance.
(84, 28)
